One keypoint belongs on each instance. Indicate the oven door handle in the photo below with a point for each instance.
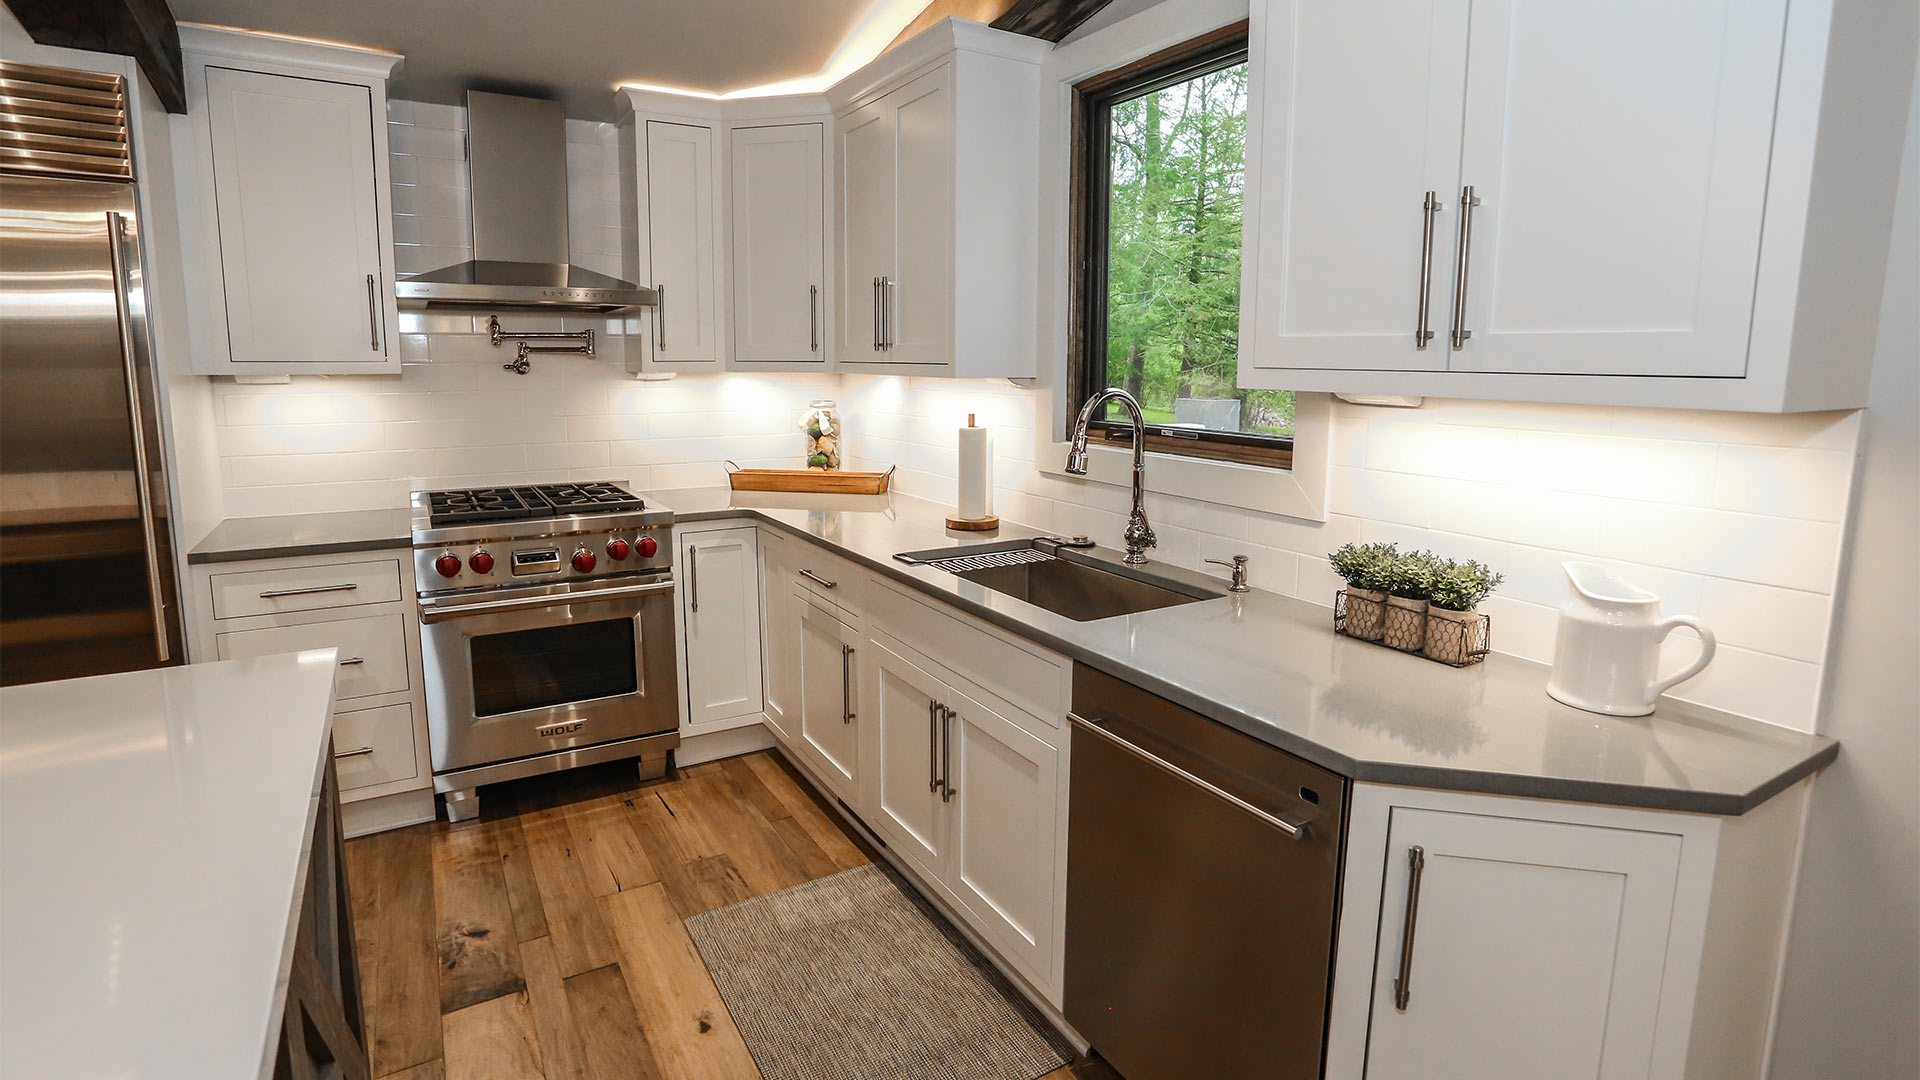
(431, 613)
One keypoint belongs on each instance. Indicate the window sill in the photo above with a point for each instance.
(1299, 492)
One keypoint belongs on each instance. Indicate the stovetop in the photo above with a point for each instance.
(472, 506)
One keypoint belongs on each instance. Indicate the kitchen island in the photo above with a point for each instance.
(168, 844)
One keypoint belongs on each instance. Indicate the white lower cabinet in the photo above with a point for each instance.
(779, 635)
(828, 730)
(903, 796)
(1537, 948)
(719, 574)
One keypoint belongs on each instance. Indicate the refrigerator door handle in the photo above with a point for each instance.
(142, 478)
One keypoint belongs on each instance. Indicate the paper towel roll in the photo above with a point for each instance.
(976, 472)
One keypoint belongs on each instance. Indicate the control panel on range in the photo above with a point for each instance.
(553, 557)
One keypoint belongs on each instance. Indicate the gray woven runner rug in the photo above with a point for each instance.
(849, 978)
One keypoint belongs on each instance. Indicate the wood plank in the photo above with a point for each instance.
(705, 768)
(1048, 20)
(616, 1042)
(395, 927)
(579, 933)
(815, 862)
(981, 11)
(739, 770)
(561, 1055)
(666, 846)
(719, 883)
(611, 857)
(523, 892)
(479, 958)
(687, 1025)
(432, 1070)
(744, 836)
(819, 823)
(494, 1040)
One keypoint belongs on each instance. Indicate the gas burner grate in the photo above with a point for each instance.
(474, 505)
(597, 498)
(960, 564)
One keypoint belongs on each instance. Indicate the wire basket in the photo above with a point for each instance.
(1453, 642)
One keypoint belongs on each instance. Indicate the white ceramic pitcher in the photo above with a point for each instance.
(1607, 657)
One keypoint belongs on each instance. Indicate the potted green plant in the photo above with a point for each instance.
(1409, 585)
(1452, 622)
(1365, 568)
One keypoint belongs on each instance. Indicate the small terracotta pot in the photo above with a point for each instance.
(1366, 613)
(1405, 627)
(1450, 635)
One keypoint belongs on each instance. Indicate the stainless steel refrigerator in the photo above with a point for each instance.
(87, 583)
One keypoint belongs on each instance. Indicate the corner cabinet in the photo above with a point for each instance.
(1487, 938)
(718, 574)
(936, 174)
(1535, 201)
(285, 206)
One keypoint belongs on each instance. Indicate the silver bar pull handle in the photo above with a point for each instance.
(846, 684)
(1462, 256)
(933, 745)
(886, 322)
(373, 316)
(876, 314)
(355, 752)
(1297, 832)
(1403, 985)
(813, 317)
(947, 790)
(352, 660)
(142, 477)
(1428, 211)
(693, 576)
(660, 316)
(824, 583)
(345, 586)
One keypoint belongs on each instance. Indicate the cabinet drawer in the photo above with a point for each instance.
(373, 650)
(305, 588)
(374, 746)
(831, 578)
(1023, 674)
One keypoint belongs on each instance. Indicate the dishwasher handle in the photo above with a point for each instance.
(1296, 831)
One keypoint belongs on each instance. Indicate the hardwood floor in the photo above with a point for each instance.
(545, 939)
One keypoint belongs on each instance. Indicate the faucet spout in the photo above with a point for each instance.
(1139, 535)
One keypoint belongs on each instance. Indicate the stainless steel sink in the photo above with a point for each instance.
(1083, 583)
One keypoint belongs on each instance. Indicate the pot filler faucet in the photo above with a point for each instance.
(1139, 535)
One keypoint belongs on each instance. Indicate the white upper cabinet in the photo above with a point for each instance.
(1625, 201)
(285, 205)
(779, 246)
(936, 180)
(720, 594)
(678, 254)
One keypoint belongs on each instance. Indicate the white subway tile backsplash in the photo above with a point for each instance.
(1802, 483)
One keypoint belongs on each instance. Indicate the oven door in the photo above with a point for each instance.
(522, 672)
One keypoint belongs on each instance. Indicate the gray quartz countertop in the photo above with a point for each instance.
(1272, 667)
(240, 539)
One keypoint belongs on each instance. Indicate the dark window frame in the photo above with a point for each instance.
(1090, 183)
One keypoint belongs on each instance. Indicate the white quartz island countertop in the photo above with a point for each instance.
(154, 831)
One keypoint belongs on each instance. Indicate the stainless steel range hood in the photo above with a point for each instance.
(517, 177)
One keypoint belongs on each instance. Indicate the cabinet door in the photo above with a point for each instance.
(779, 245)
(829, 735)
(721, 607)
(680, 243)
(917, 324)
(780, 620)
(1538, 949)
(1354, 116)
(298, 205)
(1620, 155)
(902, 800)
(1006, 824)
(866, 177)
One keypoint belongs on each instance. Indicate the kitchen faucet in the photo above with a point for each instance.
(1139, 535)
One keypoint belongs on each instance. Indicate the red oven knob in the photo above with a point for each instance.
(583, 560)
(647, 547)
(448, 564)
(481, 562)
(618, 550)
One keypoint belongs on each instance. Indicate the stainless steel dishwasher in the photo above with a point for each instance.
(1203, 873)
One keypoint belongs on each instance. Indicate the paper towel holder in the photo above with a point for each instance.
(989, 522)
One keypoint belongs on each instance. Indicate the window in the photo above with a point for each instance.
(1160, 160)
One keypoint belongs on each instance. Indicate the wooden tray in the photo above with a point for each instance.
(835, 482)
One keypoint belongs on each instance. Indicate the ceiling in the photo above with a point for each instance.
(579, 50)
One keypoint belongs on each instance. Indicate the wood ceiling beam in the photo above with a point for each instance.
(1049, 20)
(142, 29)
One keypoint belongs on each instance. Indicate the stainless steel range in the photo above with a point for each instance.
(546, 618)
